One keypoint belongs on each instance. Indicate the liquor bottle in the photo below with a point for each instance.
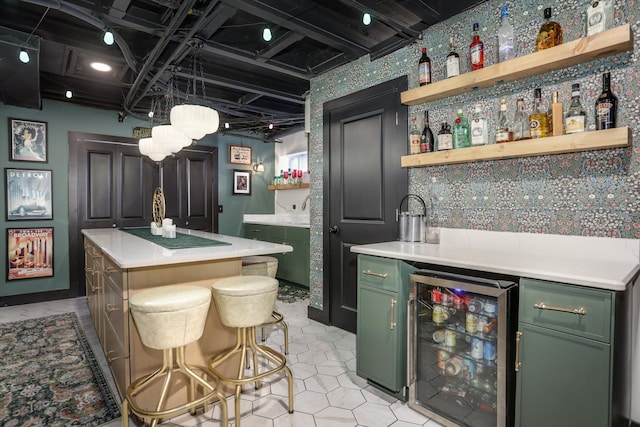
(503, 127)
(445, 138)
(476, 50)
(426, 145)
(461, 131)
(479, 130)
(506, 38)
(424, 68)
(554, 115)
(576, 116)
(538, 124)
(521, 122)
(453, 61)
(599, 16)
(606, 105)
(414, 137)
(550, 33)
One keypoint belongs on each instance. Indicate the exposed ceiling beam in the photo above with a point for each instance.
(280, 44)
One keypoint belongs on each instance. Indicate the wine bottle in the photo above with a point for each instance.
(606, 105)
(550, 33)
(424, 68)
(426, 145)
(506, 38)
(453, 60)
(414, 137)
(538, 123)
(476, 50)
(576, 116)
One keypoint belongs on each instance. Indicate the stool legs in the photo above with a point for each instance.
(277, 318)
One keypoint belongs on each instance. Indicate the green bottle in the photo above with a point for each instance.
(461, 134)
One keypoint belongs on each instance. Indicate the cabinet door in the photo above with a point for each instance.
(564, 380)
(378, 356)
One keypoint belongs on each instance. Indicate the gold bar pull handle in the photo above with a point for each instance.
(372, 273)
(518, 363)
(392, 320)
(542, 306)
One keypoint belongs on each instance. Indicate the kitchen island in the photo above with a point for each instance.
(119, 264)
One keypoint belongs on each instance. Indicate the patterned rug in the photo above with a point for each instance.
(289, 292)
(50, 377)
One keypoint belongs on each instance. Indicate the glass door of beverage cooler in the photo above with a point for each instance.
(459, 350)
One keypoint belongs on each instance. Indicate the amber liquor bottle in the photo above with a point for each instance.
(538, 124)
(606, 105)
(424, 68)
(550, 33)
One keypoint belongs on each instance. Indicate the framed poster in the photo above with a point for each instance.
(28, 141)
(239, 155)
(28, 194)
(241, 182)
(29, 253)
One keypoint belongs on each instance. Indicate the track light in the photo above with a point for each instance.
(270, 125)
(366, 19)
(68, 94)
(108, 37)
(266, 34)
(24, 56)
(226, 125)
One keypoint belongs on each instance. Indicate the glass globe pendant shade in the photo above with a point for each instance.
(151, 149)
(195, 121)
(170, 138)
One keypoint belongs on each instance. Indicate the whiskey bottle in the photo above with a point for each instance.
(461, 131)
(503, 131)
(521, 122)
(538, 125)
(479, 130)
(550, 33)
(554, 116)
(426, 142)
(476, 50)
(506, 38)
(424, 68)
(414, 137)
(445, 138)
(453, 60)
(606, 105)
(576, 116)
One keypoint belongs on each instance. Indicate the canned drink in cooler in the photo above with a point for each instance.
(443, 356)
(489, 350)
(450, 338)
(472, 323)
(468, 369)
(477, 348)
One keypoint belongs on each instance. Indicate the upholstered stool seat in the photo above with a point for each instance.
(244, 302)
(266, 266)
(168, 318)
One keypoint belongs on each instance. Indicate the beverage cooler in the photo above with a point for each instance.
(461, 342)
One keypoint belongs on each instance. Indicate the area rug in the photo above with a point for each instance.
(288, 292)
(49, 376)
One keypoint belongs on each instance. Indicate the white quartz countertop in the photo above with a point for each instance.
(597, 262)
(129, 251)
(285, 220)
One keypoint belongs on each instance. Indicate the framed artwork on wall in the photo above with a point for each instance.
(28, 141)
(29, 253)
(239, 155)
(28, 194)
(241, 182)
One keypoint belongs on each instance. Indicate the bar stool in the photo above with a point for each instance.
(244, 303)
(266, 266)
(168, 318)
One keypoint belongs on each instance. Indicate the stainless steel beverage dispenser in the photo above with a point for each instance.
(411, 226)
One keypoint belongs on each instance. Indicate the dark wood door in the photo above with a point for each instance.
(365, 134)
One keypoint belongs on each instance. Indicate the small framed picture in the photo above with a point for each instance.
(241, 182)
(239, 155)
(28, 194)
(29, 253)
(28, 141)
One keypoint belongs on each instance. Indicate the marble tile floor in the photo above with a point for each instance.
(327, 391)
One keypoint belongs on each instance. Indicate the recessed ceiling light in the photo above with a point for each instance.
(266, 34)
(101, 66)
(24, 56)
(69, 94)
(366, 19)
(108, 38)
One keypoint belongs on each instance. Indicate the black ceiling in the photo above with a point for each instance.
(251, 82)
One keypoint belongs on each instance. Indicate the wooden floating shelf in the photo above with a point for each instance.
(610, 42)
(288, 186)
(596, 140)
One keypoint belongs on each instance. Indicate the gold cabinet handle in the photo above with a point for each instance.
(518, 364)
(392, 320)
(542, 306)
(110, 308)
(371, 273)
(109, 270)
(111, 359)
(94, 288)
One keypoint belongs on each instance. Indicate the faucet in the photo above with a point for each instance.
(304, 202)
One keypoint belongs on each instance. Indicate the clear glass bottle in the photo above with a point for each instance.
(576, 118)
(461, 132)
(606, 105)
(426, 145)
(550, 33)
(521, 122)
(503, 127)
(476, 50)
(424, 68)
(555, 119)
(445, 138)
(479, 130)
(538, 125)
(414, 137)
(453, 60)
(506, 38)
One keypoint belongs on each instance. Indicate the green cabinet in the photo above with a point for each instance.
(571, 358)
(292, 266)
(381, 334)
